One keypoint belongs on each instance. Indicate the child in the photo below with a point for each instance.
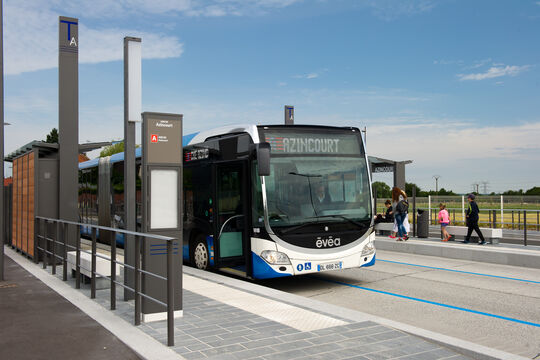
(388, 216)
(444, 219)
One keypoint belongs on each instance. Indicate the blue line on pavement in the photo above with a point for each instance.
(435, 303)
(460, 271)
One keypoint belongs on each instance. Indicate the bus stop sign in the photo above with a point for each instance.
(162, 210)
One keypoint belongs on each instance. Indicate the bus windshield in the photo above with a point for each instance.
(323, 178)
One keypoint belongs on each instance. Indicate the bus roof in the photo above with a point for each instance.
(186, 139)
(202, 136)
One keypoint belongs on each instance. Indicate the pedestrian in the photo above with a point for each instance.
(472, 220)
(400, 208)
(444, 219)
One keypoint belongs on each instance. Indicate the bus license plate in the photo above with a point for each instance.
(330, 266)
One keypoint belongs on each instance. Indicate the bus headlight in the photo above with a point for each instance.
(368, 249)
(275, 257)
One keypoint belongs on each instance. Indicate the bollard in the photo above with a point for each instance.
(512, 219)
(113, 270)
(64, 241)
(93, 281)
(137, 280)
(170, 294)
(525, 227)
(54, 242)
(414, 210)
(78, 261)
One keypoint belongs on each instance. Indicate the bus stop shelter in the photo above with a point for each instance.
(380, 165)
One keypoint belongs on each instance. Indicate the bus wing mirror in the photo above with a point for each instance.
(263, 158)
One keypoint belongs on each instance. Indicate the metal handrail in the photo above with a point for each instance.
(61, 226)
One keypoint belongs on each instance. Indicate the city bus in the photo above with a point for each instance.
(259, 201)
(302, 207)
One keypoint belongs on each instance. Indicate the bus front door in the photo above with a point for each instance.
(231, 234)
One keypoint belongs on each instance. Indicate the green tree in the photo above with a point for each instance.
(382, 189)
(112, 149)
(513, 192)
(533, 191)
(409, 190)
(52, 138)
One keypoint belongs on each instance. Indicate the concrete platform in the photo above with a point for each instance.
(226, 318)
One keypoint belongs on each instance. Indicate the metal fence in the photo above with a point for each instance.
(51, 238)
(506, 212)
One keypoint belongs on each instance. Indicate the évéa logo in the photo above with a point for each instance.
(327, 242)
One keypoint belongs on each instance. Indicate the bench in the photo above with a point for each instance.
(491, 235)
(384, 228)
(103, 267)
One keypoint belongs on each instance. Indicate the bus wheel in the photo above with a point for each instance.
(200, 253)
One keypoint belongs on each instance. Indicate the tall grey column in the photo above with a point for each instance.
(132, 114)
(289, 115)
(2, 225)
(68, 120)
(399, 175)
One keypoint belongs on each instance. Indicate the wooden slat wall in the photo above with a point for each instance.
(23, 203)
(15, 207)
(31, 203)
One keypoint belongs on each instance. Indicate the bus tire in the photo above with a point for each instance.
(199, 254)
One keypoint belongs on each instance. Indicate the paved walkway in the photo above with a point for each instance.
(38, 323)
(225, 318)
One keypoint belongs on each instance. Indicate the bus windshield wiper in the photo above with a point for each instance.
(298, 227)
(360, 225)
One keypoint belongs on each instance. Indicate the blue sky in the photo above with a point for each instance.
(452, 85)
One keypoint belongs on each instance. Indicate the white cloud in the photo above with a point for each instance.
(31, 27)
(494, 72)
(307, 76)
(31, 40)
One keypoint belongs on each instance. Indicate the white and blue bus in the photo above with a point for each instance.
(265, 201)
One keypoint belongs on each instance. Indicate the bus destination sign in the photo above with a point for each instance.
(312, 143)
(198, 154)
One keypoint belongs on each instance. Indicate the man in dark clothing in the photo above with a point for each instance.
(472, 220)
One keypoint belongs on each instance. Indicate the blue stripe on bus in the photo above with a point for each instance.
(460, 271)
(185, 252)
(186, 139)
(261, 269)
(210, 247)
(434, 303)
(371, 263)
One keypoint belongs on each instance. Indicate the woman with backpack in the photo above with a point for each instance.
(401, 208)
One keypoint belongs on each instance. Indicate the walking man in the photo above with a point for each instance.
(472, 220)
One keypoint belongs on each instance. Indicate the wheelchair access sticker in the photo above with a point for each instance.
(305, 266)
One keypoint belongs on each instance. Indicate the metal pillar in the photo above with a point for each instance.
(399, 175)
(132, 98)
(68, 119)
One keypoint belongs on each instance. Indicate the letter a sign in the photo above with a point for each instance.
(154, 138)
